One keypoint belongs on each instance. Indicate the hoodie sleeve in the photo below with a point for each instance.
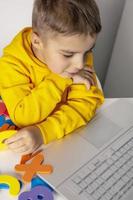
(76, 112)
(26, 103)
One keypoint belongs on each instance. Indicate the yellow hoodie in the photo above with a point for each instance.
(36, 96)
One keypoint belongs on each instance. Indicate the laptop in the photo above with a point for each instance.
(96, 161)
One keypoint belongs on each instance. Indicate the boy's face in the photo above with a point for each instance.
(66, 53)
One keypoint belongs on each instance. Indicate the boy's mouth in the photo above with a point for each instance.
(74, 72)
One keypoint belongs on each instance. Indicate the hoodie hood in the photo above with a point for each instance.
(20, 48)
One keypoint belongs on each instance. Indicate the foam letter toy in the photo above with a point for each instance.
(3, 110)
(34, 167)
(14, 185)
(28, 157)
(5, 186)
(37, 193)
(5, 135)
(36, 181)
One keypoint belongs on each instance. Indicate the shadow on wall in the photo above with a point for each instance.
(111, 12)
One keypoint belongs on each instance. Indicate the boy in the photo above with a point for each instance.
(47, 82)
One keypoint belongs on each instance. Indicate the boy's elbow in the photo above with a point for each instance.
(25, 116)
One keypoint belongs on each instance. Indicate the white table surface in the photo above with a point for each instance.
(9, 159)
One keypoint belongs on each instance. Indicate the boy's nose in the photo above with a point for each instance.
(79, 63)
(79, 66)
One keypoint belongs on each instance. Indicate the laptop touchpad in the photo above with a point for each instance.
(100, 130)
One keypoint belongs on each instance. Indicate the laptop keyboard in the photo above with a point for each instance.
(106, 178)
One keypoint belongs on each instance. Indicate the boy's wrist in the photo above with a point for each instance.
(47, 138)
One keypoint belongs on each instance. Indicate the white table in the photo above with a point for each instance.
(8, 160)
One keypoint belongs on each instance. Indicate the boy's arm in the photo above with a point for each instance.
(28, 104)
(77, 111)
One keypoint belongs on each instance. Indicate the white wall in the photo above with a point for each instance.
(14, 15)
(119, 80)
(111, 11)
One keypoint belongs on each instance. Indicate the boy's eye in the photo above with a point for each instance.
(68, 56)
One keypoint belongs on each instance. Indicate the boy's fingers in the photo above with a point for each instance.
(88, 86)
(91, 81)
(89, 74)
(17, 144)
(87, 83)
(24, 149)
(14, 138)
(90, 69)
(89, 78)
(87, 71)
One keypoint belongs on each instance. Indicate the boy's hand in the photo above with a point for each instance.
(84, 76)
(79, 79)
(26, 140)
(88, 73)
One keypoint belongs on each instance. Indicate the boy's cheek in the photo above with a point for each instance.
(57, 67)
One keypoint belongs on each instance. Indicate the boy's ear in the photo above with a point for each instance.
(36, 41)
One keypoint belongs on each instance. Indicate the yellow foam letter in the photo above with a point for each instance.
(14, 185)
(5, 135)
